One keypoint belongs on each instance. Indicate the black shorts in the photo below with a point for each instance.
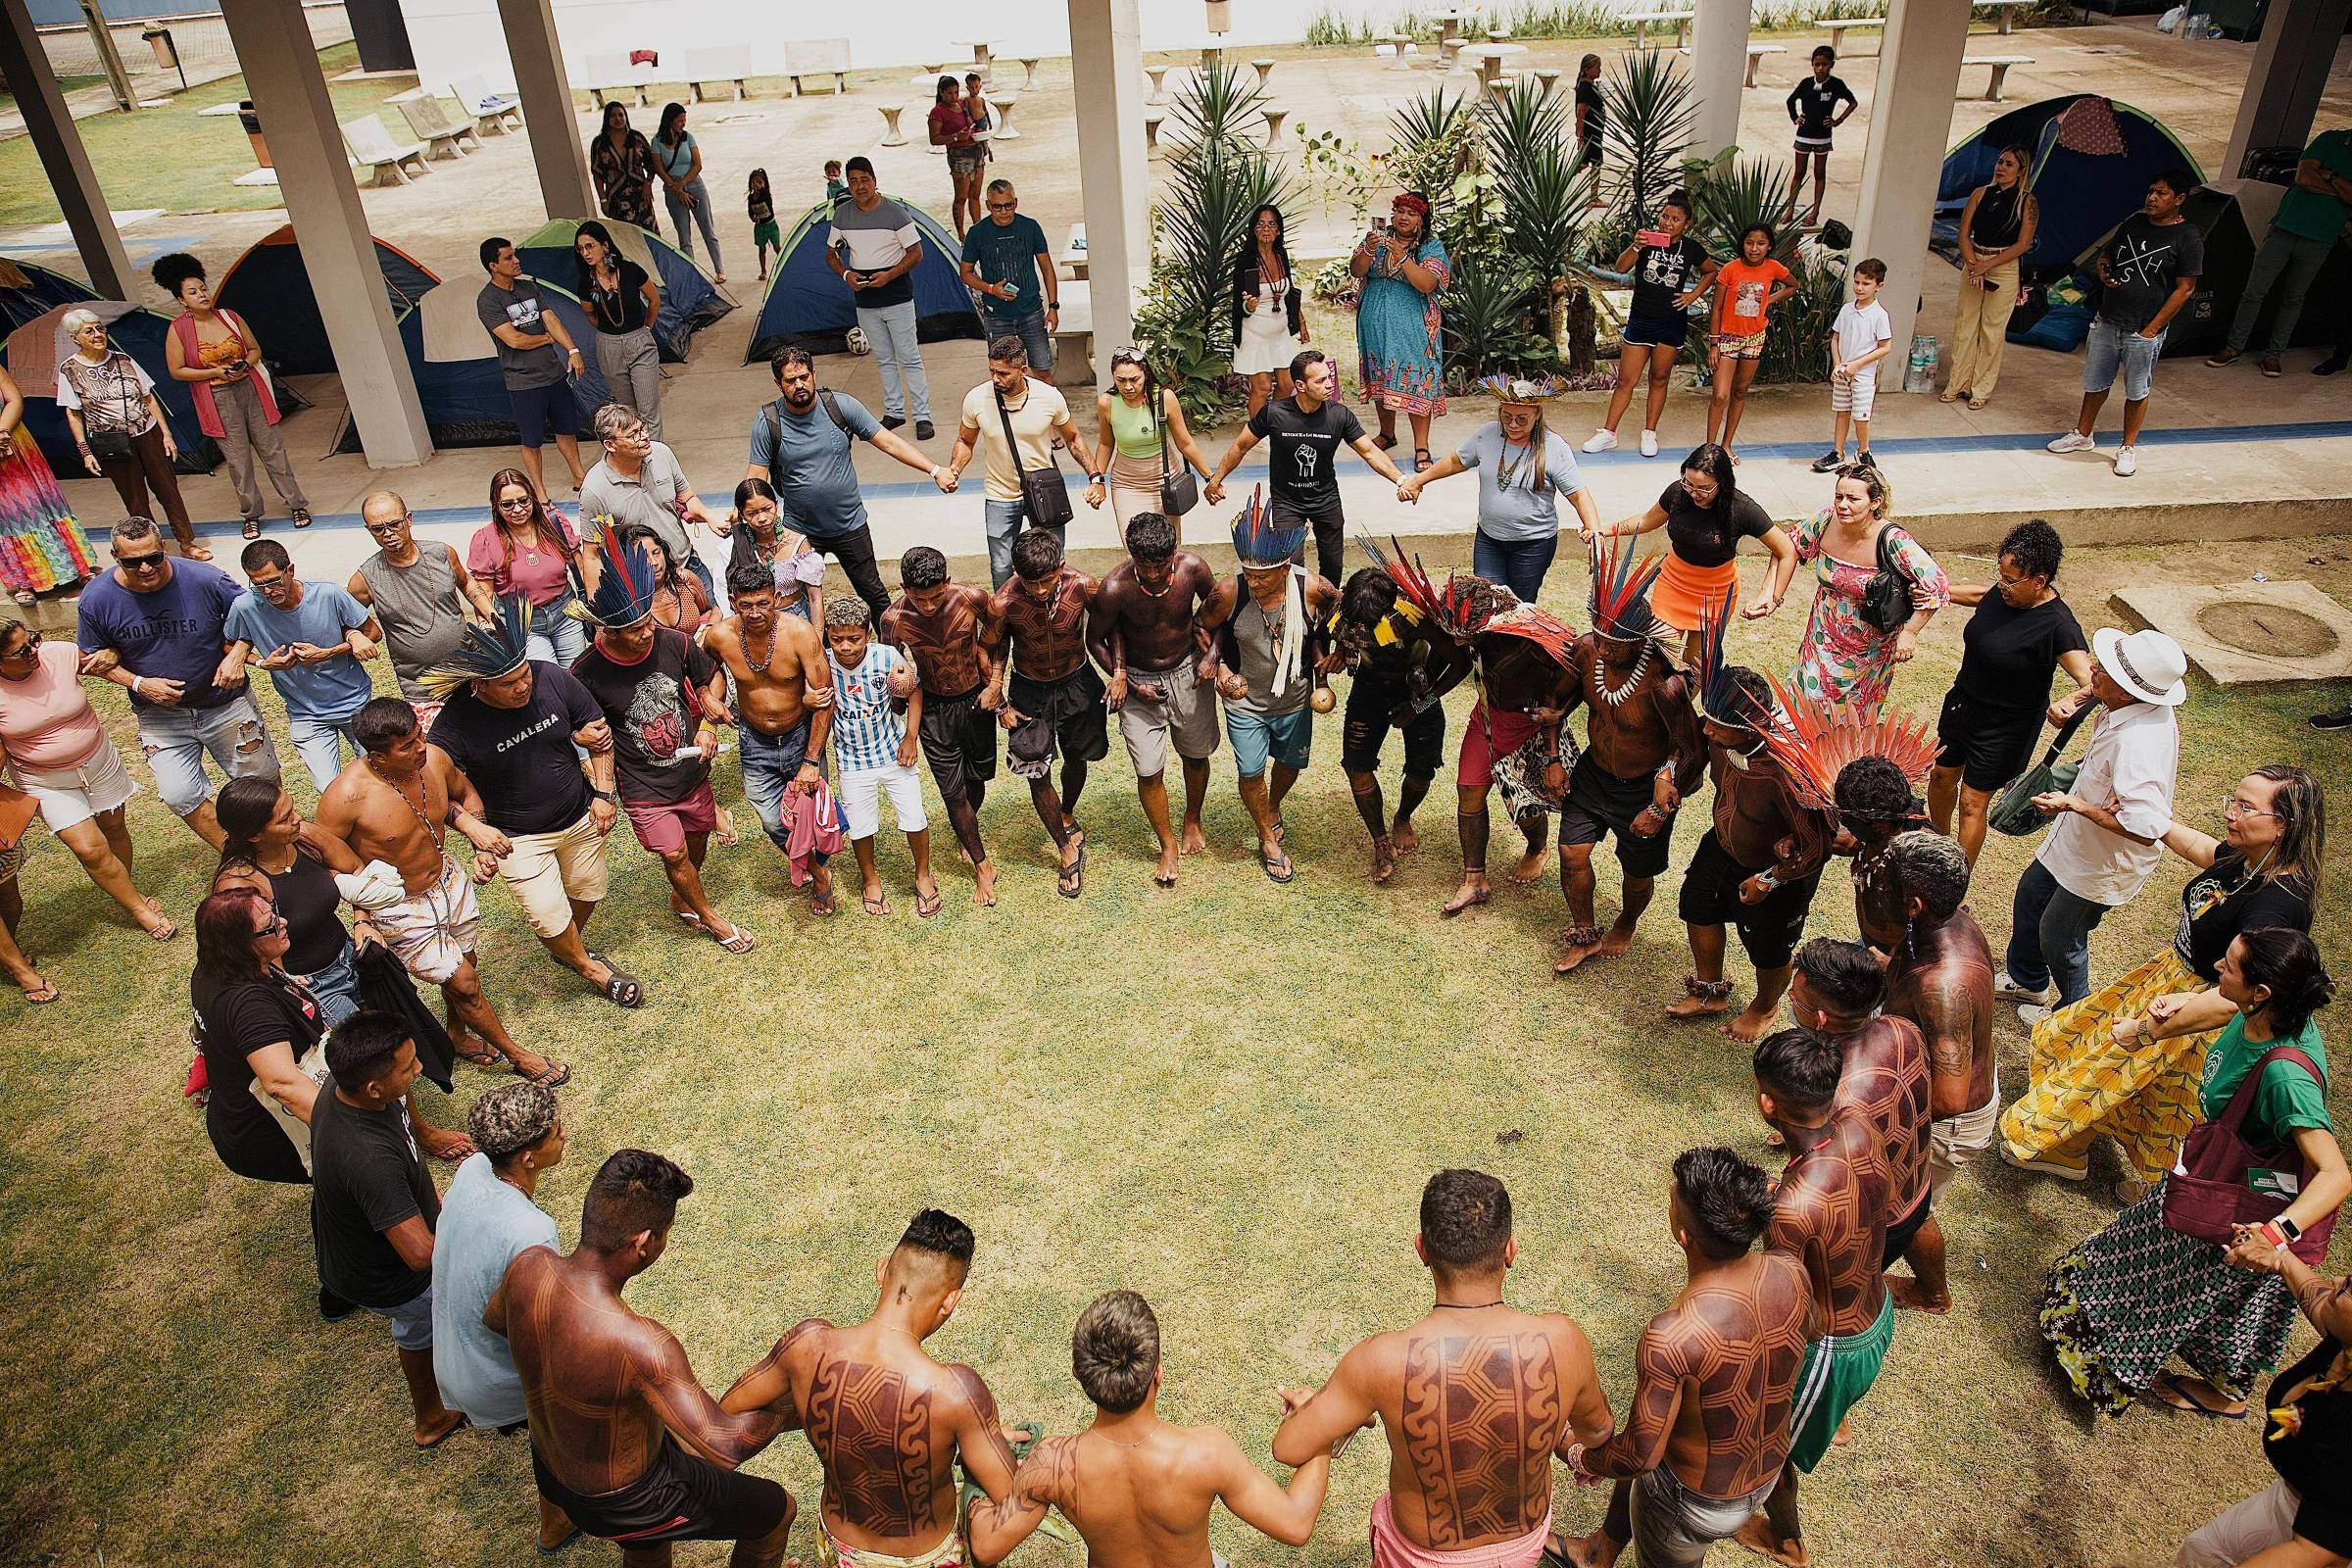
(681, 1497)
(1065, 715)
(1599, 802)
(1372, 704)
(541, 412)
(1989, 747)
(1900, 1234)
(1768, 931)
(959, 738)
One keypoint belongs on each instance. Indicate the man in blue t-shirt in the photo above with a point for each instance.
(159, 630)
(311, 637)
(805, 450)
(1005, 260)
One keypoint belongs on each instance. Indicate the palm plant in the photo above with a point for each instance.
(1733, 192)
(1547, 198)
(1219, 106)
(1524, 122)
(1436, 137)
(1487, 325)
(1651, 112)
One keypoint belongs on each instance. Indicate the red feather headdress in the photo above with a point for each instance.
(1814, 741)
(1470, 607)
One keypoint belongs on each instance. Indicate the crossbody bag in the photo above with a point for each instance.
(1045, 499)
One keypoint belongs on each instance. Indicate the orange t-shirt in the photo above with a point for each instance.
(1743, 290)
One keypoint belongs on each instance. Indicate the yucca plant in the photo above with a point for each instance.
(1220, 107)
(1795, 345)
(1651, 110)
(1523, 123)
(1436, 137)
(1731, 193)
(1486, 321)
(1546, 197)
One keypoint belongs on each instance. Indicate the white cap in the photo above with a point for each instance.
(2146, 663)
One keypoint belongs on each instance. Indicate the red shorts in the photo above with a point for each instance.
(1510, 732)
(661, 826)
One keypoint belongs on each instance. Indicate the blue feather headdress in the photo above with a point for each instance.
(623, 593)
(1258, 542)
(1621, 580)
(1720, 697)
(485, 653)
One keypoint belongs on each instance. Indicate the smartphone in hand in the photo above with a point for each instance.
(1652, 236)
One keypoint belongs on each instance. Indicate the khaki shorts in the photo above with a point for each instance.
(550, 871)
(1956, 1140)
(1188, 711)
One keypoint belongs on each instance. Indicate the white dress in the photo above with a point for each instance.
(1266, 343)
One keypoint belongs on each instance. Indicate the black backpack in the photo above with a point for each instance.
(775, 425)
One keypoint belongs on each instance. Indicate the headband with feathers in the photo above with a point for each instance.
(485, 653)
(1720, 697)
(623, 594)
(1520, 388)
(1258, 541)
(1470, 607)
(1621, 580)
(1814, 741)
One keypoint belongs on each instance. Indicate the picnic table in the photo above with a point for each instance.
(980, 48)
(1490, 57)
(1643, 19)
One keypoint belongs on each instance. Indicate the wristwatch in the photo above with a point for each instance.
(606, 796)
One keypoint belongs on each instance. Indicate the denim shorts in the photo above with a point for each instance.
(1285, 738)
(2110, 347)
(177, 740)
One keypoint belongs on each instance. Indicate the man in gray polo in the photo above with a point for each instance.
(877, 249)
(639, 480)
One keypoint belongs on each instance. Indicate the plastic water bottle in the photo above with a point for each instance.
(1922, 373)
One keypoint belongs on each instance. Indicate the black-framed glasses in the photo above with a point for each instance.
(1002, 207)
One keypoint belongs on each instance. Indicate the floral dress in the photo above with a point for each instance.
(1844, 659)
(1399, 333)
(42, 546)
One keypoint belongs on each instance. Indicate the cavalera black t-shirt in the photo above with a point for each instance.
(651, 715)
(1301, 456)
(2007, 656)
(1661, 272)
(367, 1176)
(520, 759)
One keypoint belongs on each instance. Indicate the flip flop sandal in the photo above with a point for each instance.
(1070, 880)
(876, 906)
(927, 907)
(484, 1058)
(195, 552)
(739, 942)
(462, 1424)
(302, 517)
(1266, 862)
(554, 1076)
(823, 905)
(457, 1153)
(692, 920)
(2167, 1390)
(43, 994)
(557, 1550)
(621, 989)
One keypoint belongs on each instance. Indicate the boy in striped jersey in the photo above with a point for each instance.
(875, 746)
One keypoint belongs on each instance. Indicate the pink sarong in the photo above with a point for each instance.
(1390, 1549)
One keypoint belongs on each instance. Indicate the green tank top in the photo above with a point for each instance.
(1134, 430)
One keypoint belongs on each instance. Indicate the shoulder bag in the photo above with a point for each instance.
(1045, 499)
(2012, 812)
(2211, 1190)
(1180, 491)
(1886, 598)
(113, 443)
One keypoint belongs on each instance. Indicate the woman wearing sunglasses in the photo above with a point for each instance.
(526, 548)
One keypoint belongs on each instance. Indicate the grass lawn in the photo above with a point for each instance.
(174, 159)
(1226, 1096)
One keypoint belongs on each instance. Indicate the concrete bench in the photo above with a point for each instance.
(2001, 64)
(1152, 124)
(1641, 21)
(818, 57)
(1073, 255)
(706, 66)
(1160, 84)
(372, 148)
(1074, 335)
(1838, 30)
(2004, 13)
(1001, 106)
(892, 135)
(429, 124)
(611, 76)
(494, 114)
(1756, 52)
(1265, 69)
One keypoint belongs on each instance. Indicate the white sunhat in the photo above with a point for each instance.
(2146, 663)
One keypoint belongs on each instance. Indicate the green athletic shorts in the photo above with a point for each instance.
(1836, 1374)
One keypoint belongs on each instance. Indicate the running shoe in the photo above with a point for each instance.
(1602, 441)
(2074, 441)
(1828, 461)
(1650, 443)
(2127, 462)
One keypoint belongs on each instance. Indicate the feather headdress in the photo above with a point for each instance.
(1470, 607)
(1621, 580)
(623, 593)
(1258, 541)
(485, 653)
(1520, 388)
(1814, 741)
(1720, 697)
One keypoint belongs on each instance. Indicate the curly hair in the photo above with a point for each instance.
(170, 271)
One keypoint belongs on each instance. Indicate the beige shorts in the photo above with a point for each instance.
(1956, 1140)
(549, 872)
(433, 931)
(1188, 710)
(70, 796)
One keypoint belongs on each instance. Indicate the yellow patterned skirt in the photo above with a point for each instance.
(2082, 1082)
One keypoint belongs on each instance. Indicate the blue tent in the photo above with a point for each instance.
(2082, 195)
(690, 301)
(138, 332)
(458, 381)
(806, 305)
(27, 291)
(269, 287)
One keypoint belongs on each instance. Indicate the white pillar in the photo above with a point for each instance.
(1106, 65)
(1719, 71)
(540, 81)
(282, 72)
(25, 64)
(1910, 122)
(2282, 90)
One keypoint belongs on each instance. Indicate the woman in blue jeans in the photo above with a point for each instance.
(526, 548)
(678, 161)
(1521, 467)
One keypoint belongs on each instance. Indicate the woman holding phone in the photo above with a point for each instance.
(1669, 270)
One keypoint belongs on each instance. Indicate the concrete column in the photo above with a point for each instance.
(1910, 122)
(25, 64)
(1107, 64)
(282, 72)
(558, 150)
(2282, 90)
(1719, 71)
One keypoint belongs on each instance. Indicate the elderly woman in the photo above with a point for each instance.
(1399, 329)
(623, 302)
(678, 159)
(2125, 1061)
(526, 548)
(2122, 1305)
(1705, 517)
(42, 547)
(120, 428)
(219, 357)
(1997, 230)
(1522, 465)
(54, 748)
(1137, 422)
(1844, 658)
(622, 162)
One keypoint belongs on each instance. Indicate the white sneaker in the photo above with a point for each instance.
(2011, 991)
(2032, 1013)
(2074, 441)
(2126, 463)
(1602, 441)
(1650, 443)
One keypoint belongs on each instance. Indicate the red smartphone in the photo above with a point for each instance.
(1652, 236)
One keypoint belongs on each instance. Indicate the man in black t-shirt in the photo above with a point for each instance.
(1814, 109)
(1305, 434)
(517, 730)
(2148, 271)
(373, 1205)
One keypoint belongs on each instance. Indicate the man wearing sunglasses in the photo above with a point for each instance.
(157, 628)
(1008, 265)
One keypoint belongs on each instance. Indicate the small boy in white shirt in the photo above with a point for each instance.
(875, 745)
(1859, 339)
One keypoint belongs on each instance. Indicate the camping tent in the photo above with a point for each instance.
(269, 287)
(690, 301)
(27, 291)
(34, 349)
(458, 381)
(2232, 237)
(2082, 194)
(808, 307)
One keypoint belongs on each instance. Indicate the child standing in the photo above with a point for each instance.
(1669, 269)
(835, 186)
(1813, 108)
(875, 746)
(1859, 339)
(1745, 291)
(761, 206)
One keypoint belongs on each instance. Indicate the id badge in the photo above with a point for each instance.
(2274, 1183)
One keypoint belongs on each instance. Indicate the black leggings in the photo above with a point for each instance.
(855, 553)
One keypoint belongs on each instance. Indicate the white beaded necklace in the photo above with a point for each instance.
(1615, 696)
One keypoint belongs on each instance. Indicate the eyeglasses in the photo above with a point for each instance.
(515, 503)
(277, 926)
(2233, 809)
(153, 562)
(25, 649)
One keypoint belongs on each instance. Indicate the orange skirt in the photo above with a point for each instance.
(1684, 593)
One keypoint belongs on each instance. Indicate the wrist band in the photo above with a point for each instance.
(134, 684)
